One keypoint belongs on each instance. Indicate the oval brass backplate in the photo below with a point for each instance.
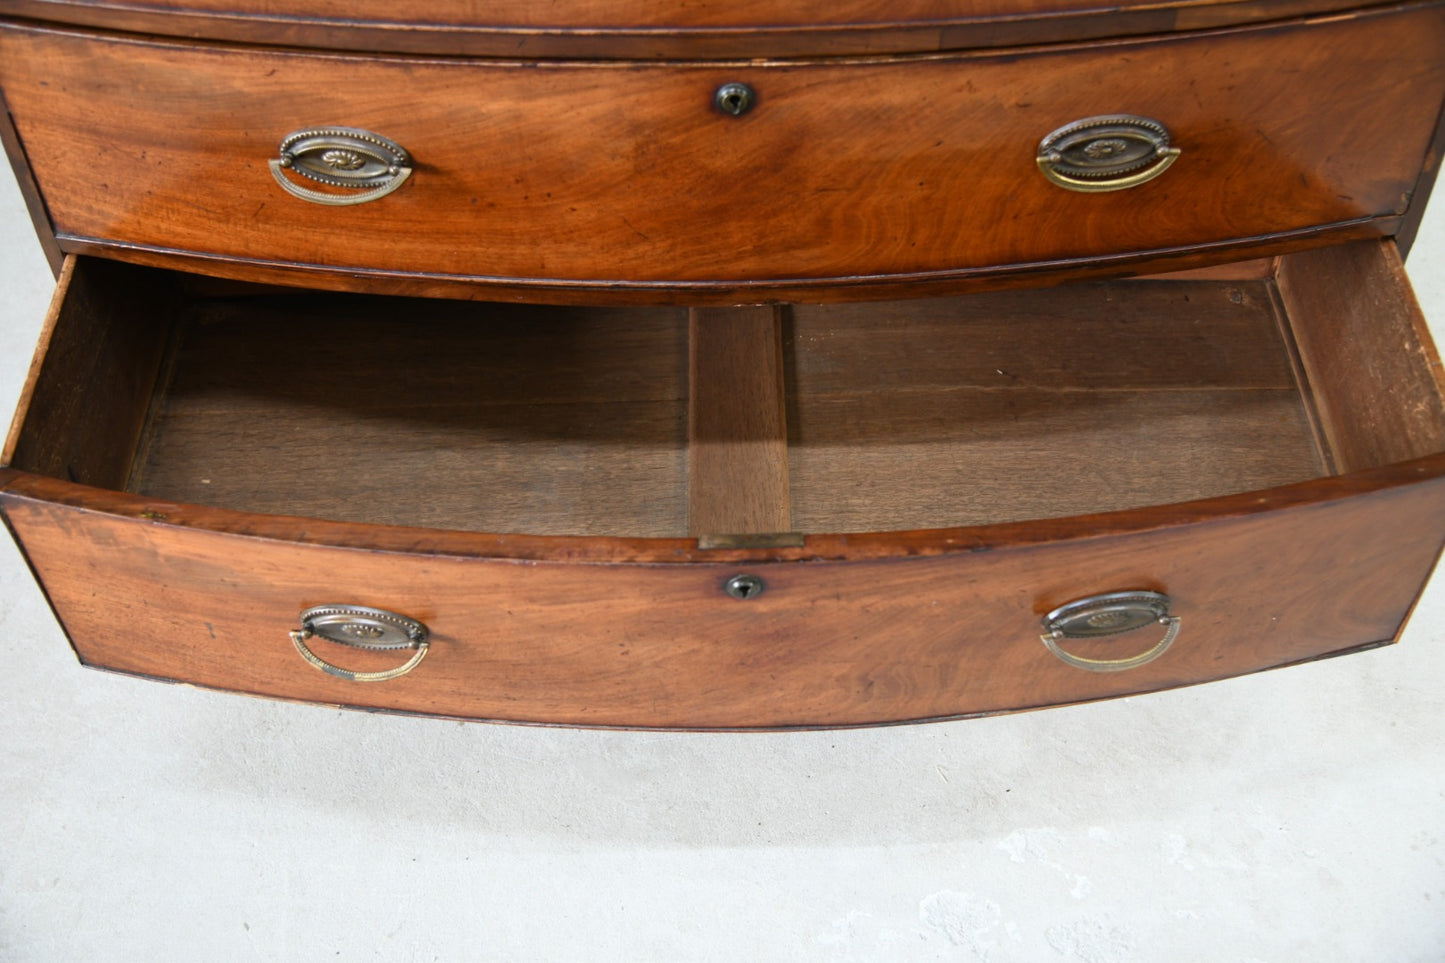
(1112, 613)
(341, 157)
(1107, 153)
(361, 627)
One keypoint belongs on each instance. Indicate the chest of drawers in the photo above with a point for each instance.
(754, 366)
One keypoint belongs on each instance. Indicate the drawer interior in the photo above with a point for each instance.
(663, 422)
(475, 416)
(1043, 403)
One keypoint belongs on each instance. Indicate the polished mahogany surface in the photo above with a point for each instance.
(895, 170)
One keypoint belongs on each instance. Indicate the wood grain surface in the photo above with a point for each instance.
(90, 387)
(843, 172)
(567, 421)
(29, 190)
(1024, 405)
(484, 417)
(737, 422)
(824, 644)
(1374, 373)
(849, 629)
(1420, 196)
(636, 28)
(1220, 255)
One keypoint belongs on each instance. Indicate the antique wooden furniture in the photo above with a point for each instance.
(746, 365)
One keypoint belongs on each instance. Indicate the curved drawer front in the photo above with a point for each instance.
(598, 515)
(823, 644)
(641, 28)
(627, 174)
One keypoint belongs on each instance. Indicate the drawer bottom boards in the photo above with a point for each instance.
(564, 495)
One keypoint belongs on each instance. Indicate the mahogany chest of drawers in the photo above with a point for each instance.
(754, 365)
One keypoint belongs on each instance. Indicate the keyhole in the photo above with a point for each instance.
(735, 99)
(744, 586)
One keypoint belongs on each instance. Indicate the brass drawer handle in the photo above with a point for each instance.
(341, 157)
(1113, 613)
(361, 628)
(1108, 153)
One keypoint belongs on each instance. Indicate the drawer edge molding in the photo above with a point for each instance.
(422, 713)
(728, 293)
(19, 488)
(898, 33)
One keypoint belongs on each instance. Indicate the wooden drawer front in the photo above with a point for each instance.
(566, 492)
(643, 28)
(609, 175)
(824, 644)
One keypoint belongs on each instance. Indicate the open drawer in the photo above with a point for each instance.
(733, 518)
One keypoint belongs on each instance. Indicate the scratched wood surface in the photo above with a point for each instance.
(901, 168)
(1366, 351)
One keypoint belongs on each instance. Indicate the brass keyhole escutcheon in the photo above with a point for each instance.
(735, 99)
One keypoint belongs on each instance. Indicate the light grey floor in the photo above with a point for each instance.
(1294, 815)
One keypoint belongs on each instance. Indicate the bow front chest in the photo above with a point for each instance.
(738, 365)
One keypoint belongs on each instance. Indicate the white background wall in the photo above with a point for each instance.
(1294, 815)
